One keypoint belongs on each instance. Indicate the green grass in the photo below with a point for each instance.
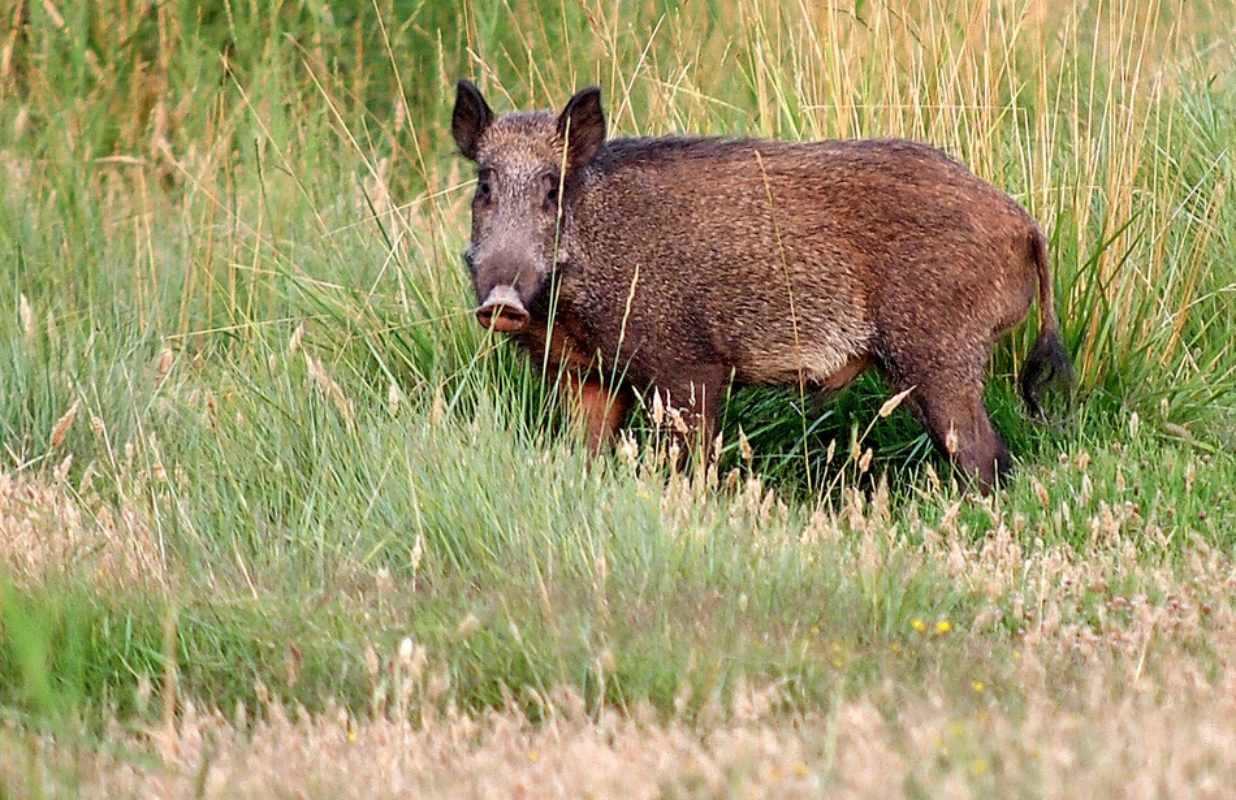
(187, 189)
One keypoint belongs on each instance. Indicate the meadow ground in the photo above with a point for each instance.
(277, 518)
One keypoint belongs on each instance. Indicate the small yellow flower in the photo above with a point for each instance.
(918, 625)
(943, 627)
(534, 756)
(978, 766)
(800, 769)
(978, 686)
(351, 732)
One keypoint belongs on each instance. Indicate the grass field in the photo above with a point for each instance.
(278, 519)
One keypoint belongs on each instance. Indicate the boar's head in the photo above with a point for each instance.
(526, 163)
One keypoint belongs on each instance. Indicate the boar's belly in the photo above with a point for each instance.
(815, 366)
(818, 354)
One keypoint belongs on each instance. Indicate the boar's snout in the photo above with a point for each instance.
(503, 311)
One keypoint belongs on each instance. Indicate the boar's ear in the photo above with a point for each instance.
(472, 116)
(582, 125)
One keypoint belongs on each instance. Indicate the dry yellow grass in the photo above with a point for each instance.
(48, 530)
(1118, 736)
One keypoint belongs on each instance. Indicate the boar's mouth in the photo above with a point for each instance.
(503, 311)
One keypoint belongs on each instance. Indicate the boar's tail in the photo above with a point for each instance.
(1048, 361)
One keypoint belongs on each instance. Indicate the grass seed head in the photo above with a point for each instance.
(163, 363)
(61, 428)
(294, 341)
(891, 404)
(744, 447)
(25, 313)
(392, 399)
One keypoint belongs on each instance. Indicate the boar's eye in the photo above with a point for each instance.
(484, 188)
(551, 192)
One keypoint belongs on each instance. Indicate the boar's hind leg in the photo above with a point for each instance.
(599, 409)
(954, 415)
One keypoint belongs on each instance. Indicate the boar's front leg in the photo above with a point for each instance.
(691, 399)
(599, 409)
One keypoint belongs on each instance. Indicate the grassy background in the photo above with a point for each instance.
(252, 437)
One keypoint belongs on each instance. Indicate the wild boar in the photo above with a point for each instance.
(678, 265)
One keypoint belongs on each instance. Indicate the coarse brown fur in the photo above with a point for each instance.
(683, 263)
